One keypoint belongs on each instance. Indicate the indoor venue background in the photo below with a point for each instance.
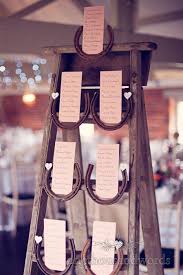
(26, 27)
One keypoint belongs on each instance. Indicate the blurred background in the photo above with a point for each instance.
(26, 27)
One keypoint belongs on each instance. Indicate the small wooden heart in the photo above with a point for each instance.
(54, 95)
(127, 95)
(48, 166)
(38, 239)
(118, 244)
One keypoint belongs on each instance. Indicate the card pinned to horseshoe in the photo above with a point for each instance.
(110, 96)
(55, 244)
(107, 167)
(63, 167)
(93, 30)
(103, 247)
(70, 96)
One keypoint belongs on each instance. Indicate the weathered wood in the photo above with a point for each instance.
(78, 225)
(148, 207)
(76, 208)
(141, 46)
(134, 175)
(117, 59)
(40, 199)
(134, 61)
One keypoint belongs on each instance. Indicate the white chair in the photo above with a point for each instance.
(23, 178)
(171, 231)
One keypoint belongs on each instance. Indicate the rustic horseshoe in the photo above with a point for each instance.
(110, 127)
(76, 188)
(48, 271)
(90, 56)
(70, 125)
(85, 253)
(96, 198)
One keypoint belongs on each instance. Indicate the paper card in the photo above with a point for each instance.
(110, 96)
(107, 165)
(103, 245)
(63, 167)
(70, 97)
(55, 244)
(93, 30)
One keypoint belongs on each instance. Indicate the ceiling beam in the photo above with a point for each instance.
(122, 14)
(32, 8)
(24, 36)
(126, 15)
(3, 10)
(169, 49)
(162, 18)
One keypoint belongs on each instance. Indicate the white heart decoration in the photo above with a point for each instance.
(54, 95)
(38, 239)
(48, 166)
(118, 244)
(127, 95)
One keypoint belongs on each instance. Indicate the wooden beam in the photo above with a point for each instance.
(169, 49)
(123, 15)
(126, 14)
(3, 10)
(162, 18)
(81, 4)
(148, 206)
(32, 8)
(24, 36)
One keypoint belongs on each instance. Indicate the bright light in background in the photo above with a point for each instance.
(35, 67)
(38, 78)
(86, 131)
(21, 71)
(29, 98)
(180, 120)
(18, 71)
(2, 69)
(23, 79)
(22, 75)
(30, 81)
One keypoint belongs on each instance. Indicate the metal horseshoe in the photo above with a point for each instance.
(76, 188)
(109, 127)
(70, 125)
(96, 198)
(48, 271)
(90, 56)
(87, 267)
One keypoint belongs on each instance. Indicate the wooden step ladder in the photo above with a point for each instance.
(134, 61)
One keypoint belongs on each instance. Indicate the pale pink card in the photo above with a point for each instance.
(63, 167)
(70, 97)
(55, 244)
(107, 165)
(93, 30)
(103, 246)
(110, 96)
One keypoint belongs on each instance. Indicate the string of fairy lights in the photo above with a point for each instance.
(19, 76)
(24, 77)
